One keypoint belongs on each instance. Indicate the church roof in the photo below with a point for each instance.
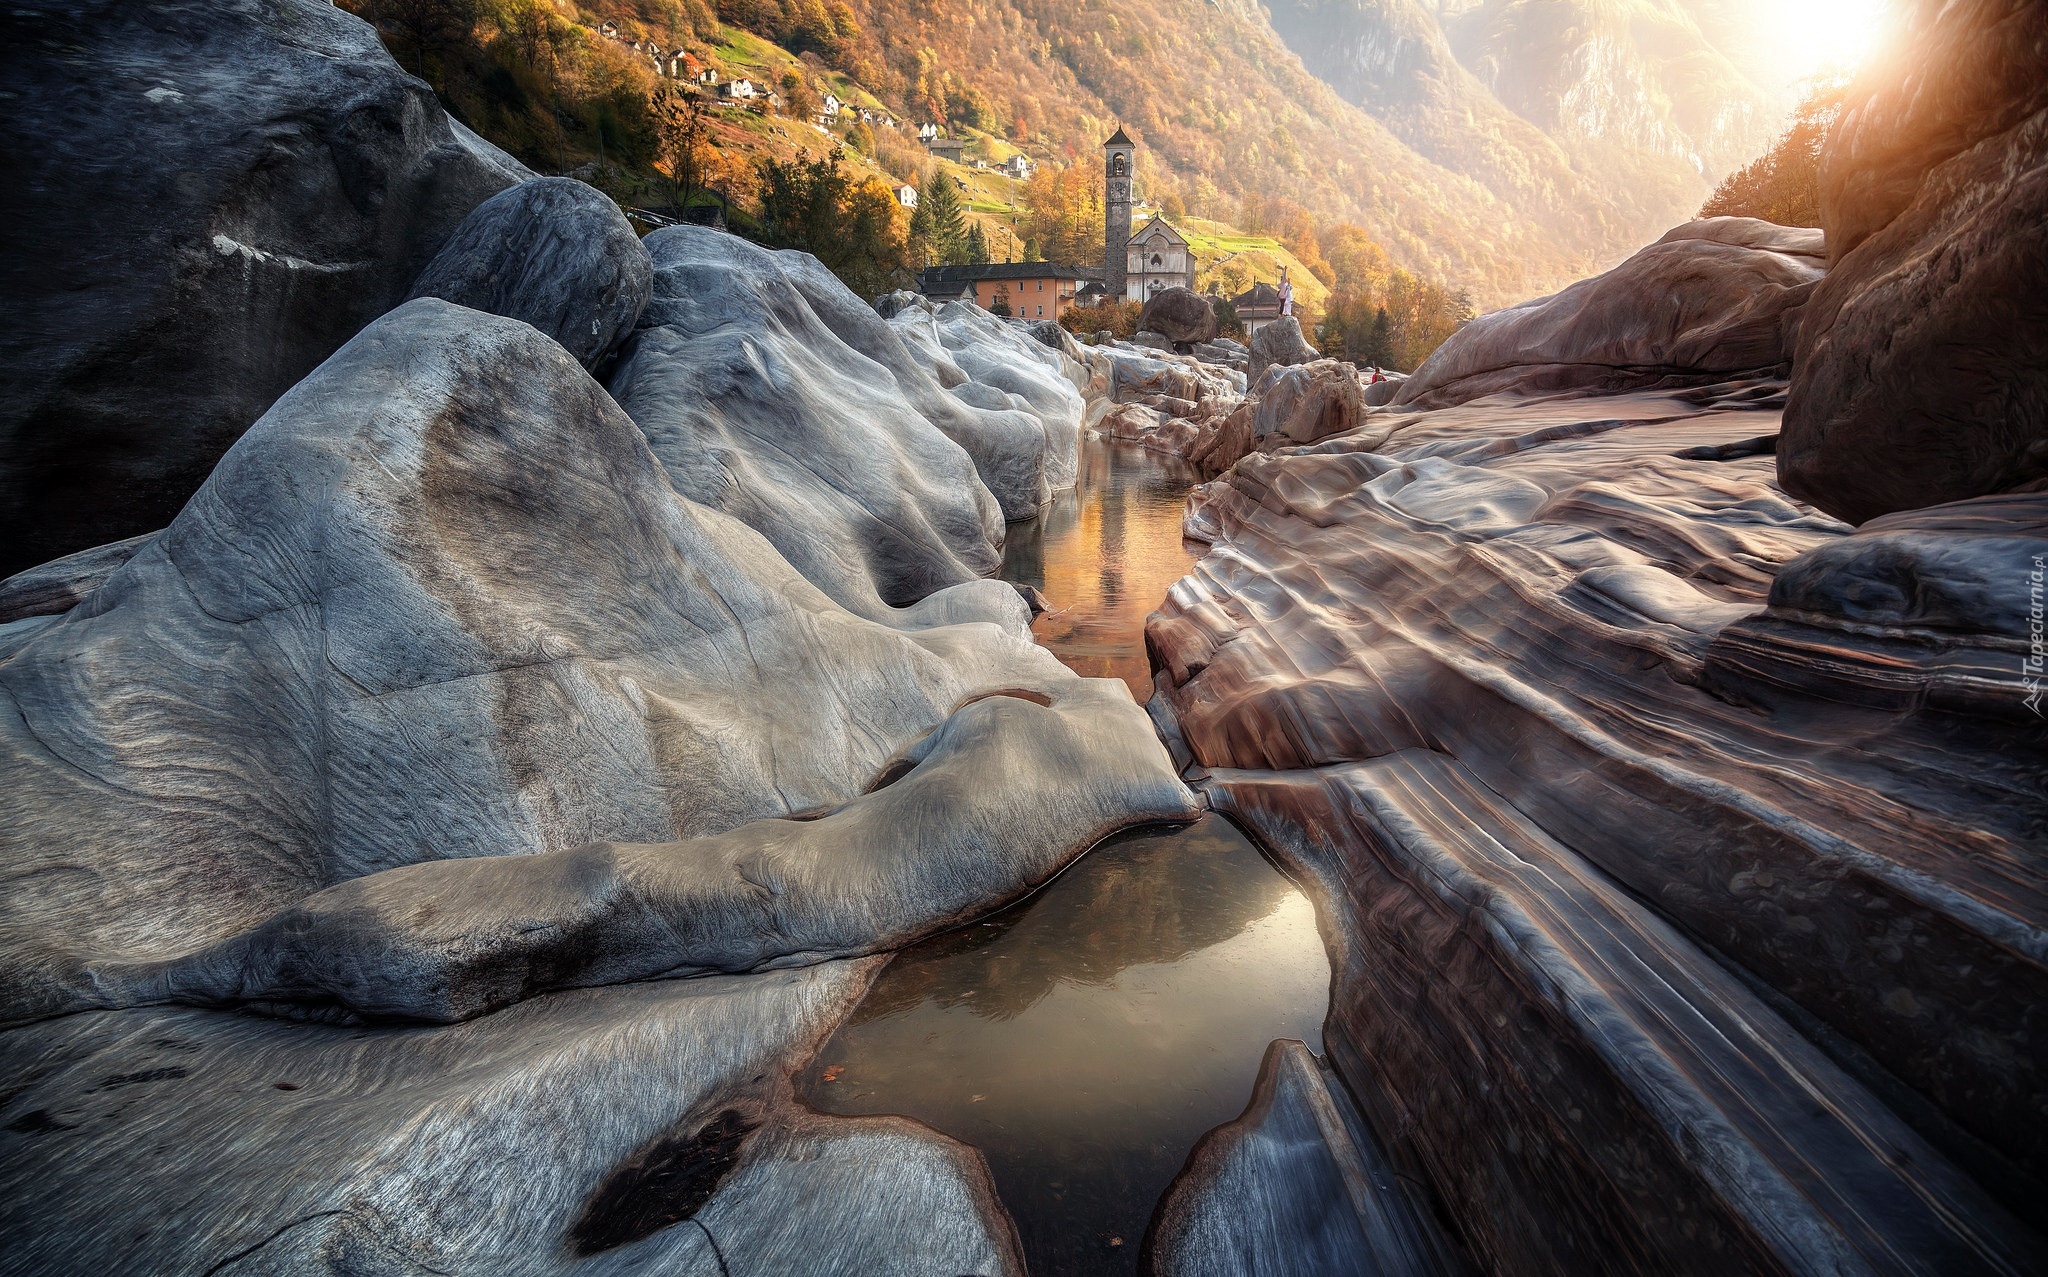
(1119, 138)
(1159, 222)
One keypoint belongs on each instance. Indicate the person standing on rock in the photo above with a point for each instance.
(1286, 293)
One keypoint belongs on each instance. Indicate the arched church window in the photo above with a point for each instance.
(1155, 259)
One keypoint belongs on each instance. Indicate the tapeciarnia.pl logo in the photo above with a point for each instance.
(2037, 648)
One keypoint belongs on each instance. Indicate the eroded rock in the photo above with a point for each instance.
(1181, 315)
(205, 202)
(1708, 301)
(1922, 363)
(1281, 343)
(443, 603)
(554, 252)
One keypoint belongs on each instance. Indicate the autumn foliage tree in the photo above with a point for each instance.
(850, 225)
(1063, 214)
(1783, 185)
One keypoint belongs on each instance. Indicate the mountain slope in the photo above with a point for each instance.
(1605, 119)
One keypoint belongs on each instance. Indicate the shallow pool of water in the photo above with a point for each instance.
(1085, 1038)
(1104, 555)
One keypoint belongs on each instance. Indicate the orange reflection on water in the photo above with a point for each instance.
(1104, 555)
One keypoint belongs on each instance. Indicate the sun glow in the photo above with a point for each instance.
(1819, 36)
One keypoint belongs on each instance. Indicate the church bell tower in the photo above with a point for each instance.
(1119, 157)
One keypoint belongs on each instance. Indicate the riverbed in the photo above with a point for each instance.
(1085, 1038)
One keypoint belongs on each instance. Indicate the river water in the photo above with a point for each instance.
(1086, 1037)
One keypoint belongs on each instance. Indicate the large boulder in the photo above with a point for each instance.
(554, 252)
(1180, 315)
(203, 202)
(1027, 374)
(1707, 302)
(1278, 343)
(437, 696)
(1921, 371)
(757, 407)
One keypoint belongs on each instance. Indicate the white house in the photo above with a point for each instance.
(927, 132)
(1019, 166)
(740, 90)
(906, 195)
(829, 107)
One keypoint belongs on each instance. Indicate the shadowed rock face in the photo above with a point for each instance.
(746, 384)
(1708, 301)
(554, 252)
(1921, 372)
(1179, 315)
(1279, 342)
(639, 1129)
(1567, 719)
(204, 201)
(442, 604)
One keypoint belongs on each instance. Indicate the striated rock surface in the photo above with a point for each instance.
(204, 201)
(1297, 1185)
(1050, 382)
(642, 1128)
(1685, 850)
(1180, 315)
(759, 406)
(554, 252)
(437, 696)
(1921, 371)
(1708, 301)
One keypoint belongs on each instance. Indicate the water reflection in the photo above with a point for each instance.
(1085, 1039)
(1104, 555)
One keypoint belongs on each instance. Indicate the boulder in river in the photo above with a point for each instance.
(203, 202)
(1278, 343)
(1921, 370)
(554, 252)
(1708, 301)
(1181, 315)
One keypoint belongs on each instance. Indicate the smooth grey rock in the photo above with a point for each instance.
(1281, 343)
(574, 1134)
(1708, 302)
(1180, 315)
(203, 202)
(757, 408)
(1296, 1185)
(52, 588)
(554, 252)
(443, 603)
(1921, 368)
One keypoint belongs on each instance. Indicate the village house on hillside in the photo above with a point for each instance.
(740, 90)
(1257, 306)
(1028, 290)
(906, 195)
(1019, 166)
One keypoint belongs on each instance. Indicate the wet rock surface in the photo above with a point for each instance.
(1922, 361)
(1708, 301)
(1552, 707)
(205, 201)
(555, 253)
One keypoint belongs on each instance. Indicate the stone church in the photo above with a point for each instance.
(1158, 256)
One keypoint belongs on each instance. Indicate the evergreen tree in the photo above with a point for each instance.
(939, 201)
(977, 244)
(1379, 341)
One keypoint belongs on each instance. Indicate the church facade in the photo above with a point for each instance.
(1158, 256)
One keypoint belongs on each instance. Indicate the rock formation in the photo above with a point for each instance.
(1514, 684)
(1281, 343)
(1181, 315)
(1709, 300)
(451, 561)
(1921, 369)
(758, 407)
(555, 253)
(204, 202)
